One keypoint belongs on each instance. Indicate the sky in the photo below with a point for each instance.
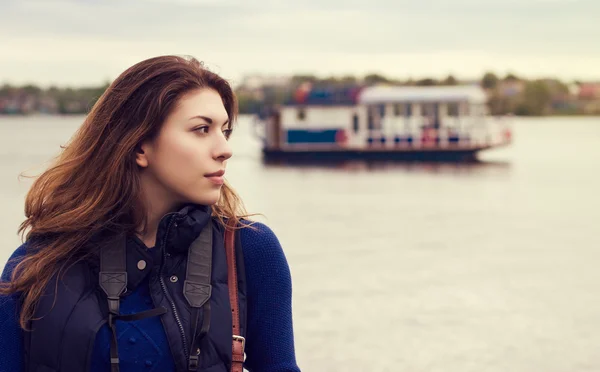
(89, 42)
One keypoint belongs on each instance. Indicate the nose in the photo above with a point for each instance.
(222, 149)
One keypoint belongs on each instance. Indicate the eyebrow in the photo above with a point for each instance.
(207, 119)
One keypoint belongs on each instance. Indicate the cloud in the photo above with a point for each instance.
(76, 40)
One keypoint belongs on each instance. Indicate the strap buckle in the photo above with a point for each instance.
(242, 353)
(242, 340)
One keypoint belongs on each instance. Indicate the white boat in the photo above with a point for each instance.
(384, 122)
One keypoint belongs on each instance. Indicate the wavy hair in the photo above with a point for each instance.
(93, 186)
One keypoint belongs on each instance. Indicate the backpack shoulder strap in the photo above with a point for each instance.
(197, 288)
(113, 281)
(113, 273)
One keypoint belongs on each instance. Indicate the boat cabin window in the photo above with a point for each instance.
(429, 109)
(355, 123)
(408, 110)
(453, 109)
(301, 115)
(375, 115)
(424, 109)
(398, 109)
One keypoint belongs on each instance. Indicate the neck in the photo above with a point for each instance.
(157, 203)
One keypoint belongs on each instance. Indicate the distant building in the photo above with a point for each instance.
(47, 105)
(589, 91)
(589, 98)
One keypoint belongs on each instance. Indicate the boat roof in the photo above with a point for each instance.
(389, 94)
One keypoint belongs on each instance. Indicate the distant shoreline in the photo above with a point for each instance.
(575, 115)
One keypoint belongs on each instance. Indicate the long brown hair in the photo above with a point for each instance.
(93, 185)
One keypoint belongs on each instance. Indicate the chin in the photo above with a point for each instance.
(209, 198)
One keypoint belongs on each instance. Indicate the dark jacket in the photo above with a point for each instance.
(63, 339)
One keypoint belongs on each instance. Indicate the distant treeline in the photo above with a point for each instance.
(32, 99)
(507, 95)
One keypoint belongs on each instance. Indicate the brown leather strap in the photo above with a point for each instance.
(238, 342)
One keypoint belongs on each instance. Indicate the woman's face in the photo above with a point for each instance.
(186, 161)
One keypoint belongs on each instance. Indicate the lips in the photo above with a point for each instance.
(215, 174)
(216, 178)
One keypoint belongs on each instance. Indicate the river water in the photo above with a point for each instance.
(414, 267)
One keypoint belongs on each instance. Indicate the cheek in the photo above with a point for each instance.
(179, 161)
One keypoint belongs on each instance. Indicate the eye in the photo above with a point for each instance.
(227, 133)
(203, 129)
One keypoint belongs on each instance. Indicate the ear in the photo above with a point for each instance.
(141, 155)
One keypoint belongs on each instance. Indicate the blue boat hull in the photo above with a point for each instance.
(412, 155)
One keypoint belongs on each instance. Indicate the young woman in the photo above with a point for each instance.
(138, 255)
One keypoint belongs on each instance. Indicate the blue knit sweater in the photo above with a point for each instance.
(143, 344)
